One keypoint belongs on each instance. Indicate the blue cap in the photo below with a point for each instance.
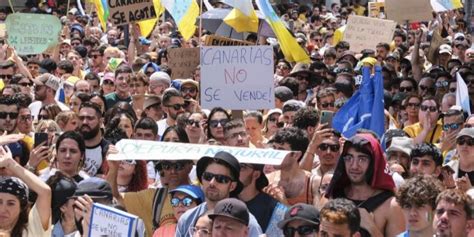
(191, 190)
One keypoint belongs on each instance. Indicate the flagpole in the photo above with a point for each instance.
(200, 23)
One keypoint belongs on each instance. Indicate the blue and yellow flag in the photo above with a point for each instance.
(147, 26)
(243, 17)
(291, 49)
(102, 12)
(184, 13)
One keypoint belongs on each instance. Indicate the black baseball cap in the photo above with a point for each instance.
(94, 187)
(226, 159)
(232, 208)
(300, 211)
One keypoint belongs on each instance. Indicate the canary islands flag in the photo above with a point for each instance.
(445, 5)
(184, 13)
(291, 49)
(146, 26)
(102, 12)
(365, 109)
(243, 17)
(462, 94)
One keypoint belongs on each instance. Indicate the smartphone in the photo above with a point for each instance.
(326, 117)
(41, 137)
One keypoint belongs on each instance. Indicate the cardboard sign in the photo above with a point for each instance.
(214, 40)
(109, 221)
(377, 10)
(124, 12)
(32, 33)
(237, 77)
(365, 32)
(154, 150)
(183, 62)
(402, 11)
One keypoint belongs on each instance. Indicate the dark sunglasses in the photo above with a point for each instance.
(186, 201)
(194, 123)
(172, 166)
(325, 105)
(406, 89)
(25, 84)
(302, 230)
(222, 179)
(26, 117)
(4, 115)
(452, 126)
(176, 106)
(7, 76)
(215, 123)
(424, 108)
(43, 117)
(414, 105)
(468, 141)
(332, 147)
(423, 88)
(107, 82)
(96, 56)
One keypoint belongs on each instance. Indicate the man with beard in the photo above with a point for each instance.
(452, 213)
(90, 119)
(46, 86)
(362, 176)
(122, 88)
(260, 204)
(219, 176)
(8, 114)
(173, 105)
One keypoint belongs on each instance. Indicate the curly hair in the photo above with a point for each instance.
(456, 197)
(295, 137)
(418, 191)
(139, 179)
(306, 117)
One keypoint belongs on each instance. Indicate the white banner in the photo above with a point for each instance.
(109, 221)
(154, 150)
(237, 77)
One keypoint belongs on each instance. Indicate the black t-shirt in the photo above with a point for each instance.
(261, 206)
(470, 174)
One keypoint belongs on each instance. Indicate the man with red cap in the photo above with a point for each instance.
(362, 176)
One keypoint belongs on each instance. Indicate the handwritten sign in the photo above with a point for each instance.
(152, 150)
(237, 77)
(124, 12)
(402, 11)
(214, 40)
(32, 33)
(183, 62)
(365, 32)
(112, 222)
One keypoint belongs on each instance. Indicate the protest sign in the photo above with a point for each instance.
(153, 150)
(112, 222)
(237, 77)
(32, 33)
(124, 12)
(183, 62)
(377, 10)
(445, 5)
(214, 40)
(365, 32)
(402, 11)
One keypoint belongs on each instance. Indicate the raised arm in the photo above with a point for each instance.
(112, 175)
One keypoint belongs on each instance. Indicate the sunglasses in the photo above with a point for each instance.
(332, 147)
(26, 117)
(186, 201)
(178, 166)
(222, 179)
(129, 162)
(108, 82)
(7, 76)
(25, 84)
(468, 141)
(43, 117)
(441, 84)
(423, 88)
(215, 123)
(414, 105)
(194, 123)
(451, 126)
(406, 89)
(326, 105)
(176, 106)
(188, 90)
(302, 230)
(4, 115)
(425, 108)
(96, 55)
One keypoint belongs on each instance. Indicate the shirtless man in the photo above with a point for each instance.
(364, 179)
(290, 184)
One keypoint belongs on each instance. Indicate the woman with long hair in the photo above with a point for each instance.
(218, 117)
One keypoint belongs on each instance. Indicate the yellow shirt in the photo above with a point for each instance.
(433, 136)
(141, 204)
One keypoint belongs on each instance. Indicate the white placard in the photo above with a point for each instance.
(365, 32)
(109, 221)
(154, 150)
(237, 77)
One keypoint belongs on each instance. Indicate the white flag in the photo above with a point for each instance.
(462, 94)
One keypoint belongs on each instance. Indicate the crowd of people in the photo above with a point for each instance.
(63, 111)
